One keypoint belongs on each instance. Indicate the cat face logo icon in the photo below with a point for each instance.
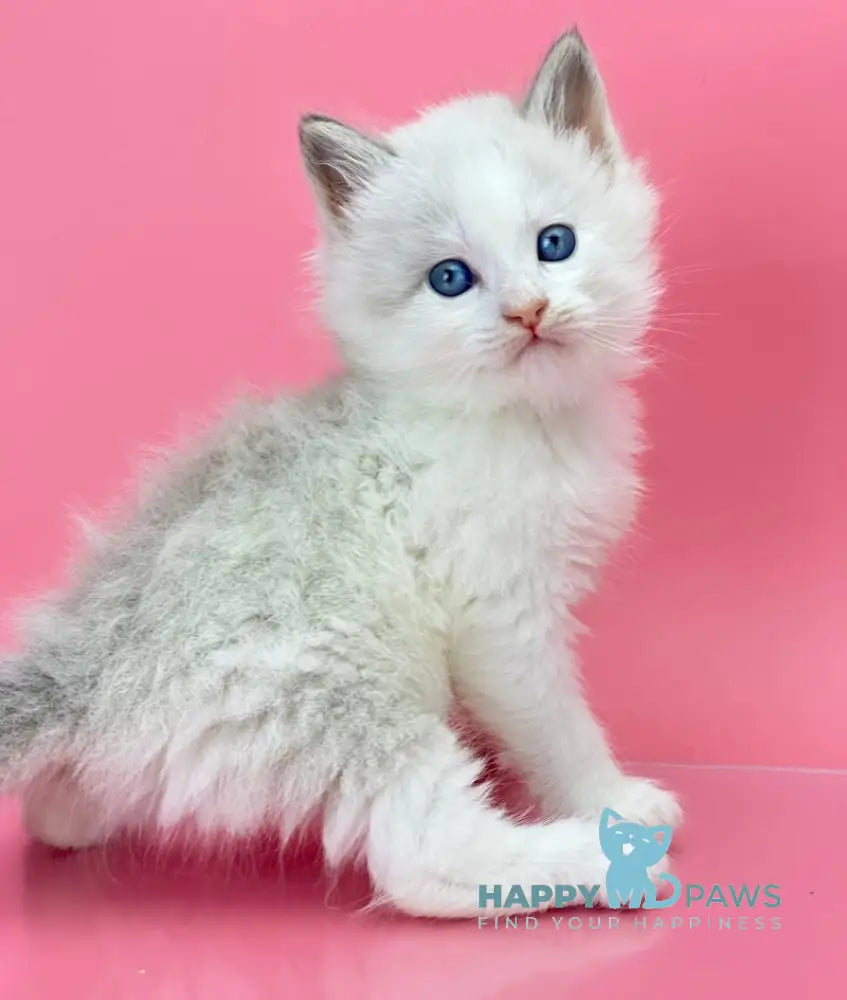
(631, 850)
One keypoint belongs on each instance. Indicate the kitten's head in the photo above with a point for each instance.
(646, 845)
(489, 253)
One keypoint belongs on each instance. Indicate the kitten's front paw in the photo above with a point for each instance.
(638, 800)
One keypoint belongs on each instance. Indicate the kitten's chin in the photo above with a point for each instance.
(554, 375)
(535, 350)
(548, 376)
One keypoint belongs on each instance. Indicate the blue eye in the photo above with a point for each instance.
(556, 243)
(451, 277)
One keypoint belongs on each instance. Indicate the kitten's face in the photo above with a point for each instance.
(646, 845)
(516, 310)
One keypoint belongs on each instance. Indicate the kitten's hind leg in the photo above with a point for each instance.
(58, 812)
(433, 840)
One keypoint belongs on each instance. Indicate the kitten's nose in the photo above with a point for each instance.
(529, 313)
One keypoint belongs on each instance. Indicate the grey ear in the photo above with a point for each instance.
(567, 93)
(339, 160)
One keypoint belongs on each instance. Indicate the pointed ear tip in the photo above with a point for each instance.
(309, 119)
(328, 129)
(573, 36)
(569, 46)
(305, 127)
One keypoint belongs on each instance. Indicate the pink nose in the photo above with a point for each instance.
(529, 313)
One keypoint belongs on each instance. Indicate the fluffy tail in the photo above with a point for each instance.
(31, 709)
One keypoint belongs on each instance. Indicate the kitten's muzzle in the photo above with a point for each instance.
(528, 313)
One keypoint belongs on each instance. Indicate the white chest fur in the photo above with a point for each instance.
(524, 498)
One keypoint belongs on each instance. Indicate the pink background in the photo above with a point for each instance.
(154, 216)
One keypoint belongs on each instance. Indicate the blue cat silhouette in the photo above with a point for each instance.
(631, 850)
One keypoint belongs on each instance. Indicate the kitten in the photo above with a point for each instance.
(632, 849)
(279, 631)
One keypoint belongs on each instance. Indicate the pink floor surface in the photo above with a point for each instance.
(118, 924)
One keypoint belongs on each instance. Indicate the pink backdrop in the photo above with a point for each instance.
(154, 215)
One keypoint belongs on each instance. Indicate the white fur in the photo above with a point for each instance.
(281, 629)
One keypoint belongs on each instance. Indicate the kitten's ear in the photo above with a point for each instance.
(567, 93)
(607, 815)
(339, 161)
(667, 833)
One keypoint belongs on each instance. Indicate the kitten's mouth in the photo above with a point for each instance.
(537, 340)
(627, 849)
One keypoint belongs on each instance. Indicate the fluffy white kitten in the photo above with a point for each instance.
(280, 630)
